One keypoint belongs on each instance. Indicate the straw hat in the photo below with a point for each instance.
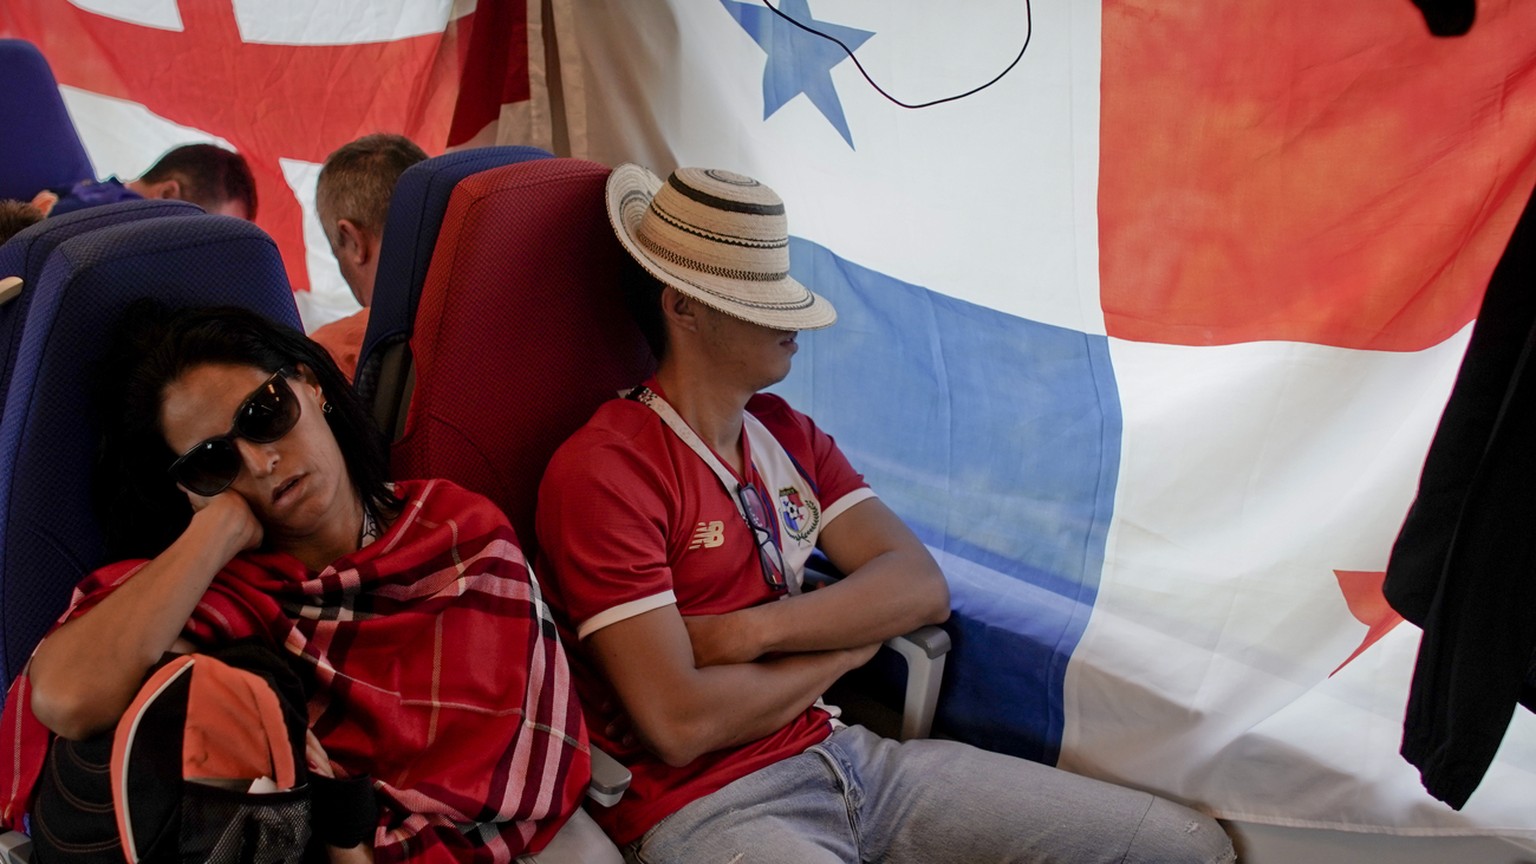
(717, 237)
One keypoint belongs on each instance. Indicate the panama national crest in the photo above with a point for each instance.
(801, 515)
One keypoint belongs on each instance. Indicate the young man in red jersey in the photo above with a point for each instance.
(675, 527)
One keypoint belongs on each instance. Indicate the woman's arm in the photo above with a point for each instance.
(86, 672)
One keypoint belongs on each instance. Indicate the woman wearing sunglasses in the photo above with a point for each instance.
(242, 483)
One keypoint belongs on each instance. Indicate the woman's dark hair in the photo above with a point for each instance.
(139, 506)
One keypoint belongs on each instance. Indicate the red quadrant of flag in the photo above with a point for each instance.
(1308, 171)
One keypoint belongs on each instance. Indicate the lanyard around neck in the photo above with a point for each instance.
(651, 399)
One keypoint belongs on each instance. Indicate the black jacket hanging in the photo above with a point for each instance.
(1464, 564)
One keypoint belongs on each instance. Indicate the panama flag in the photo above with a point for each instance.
(1147, 340)
(285, 82)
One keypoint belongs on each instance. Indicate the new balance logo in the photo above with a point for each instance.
(708, 535)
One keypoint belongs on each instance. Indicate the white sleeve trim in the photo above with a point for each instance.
(842, 504)
(624, 611)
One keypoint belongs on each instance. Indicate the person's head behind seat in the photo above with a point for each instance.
(207, 175)
(352, 201)
(16, 216)
(139, 504)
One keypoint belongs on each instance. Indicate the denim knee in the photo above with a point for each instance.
(1174, 833)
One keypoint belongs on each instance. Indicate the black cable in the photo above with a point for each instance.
(1029, 23)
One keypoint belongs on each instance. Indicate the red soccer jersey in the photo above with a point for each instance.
(630, 519)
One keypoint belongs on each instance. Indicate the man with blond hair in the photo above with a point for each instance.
(352, 200)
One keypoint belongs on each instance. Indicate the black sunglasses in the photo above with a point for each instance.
(266, 415)
(768, 554)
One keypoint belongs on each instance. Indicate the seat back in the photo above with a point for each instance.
(49, 537)
(521, 333)
(38, 141)
(23, 256)
(411, 230)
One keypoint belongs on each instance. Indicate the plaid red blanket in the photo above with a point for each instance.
(438, 674)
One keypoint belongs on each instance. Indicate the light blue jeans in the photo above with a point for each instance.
(857, 797)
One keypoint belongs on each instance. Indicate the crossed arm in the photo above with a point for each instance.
(694, 685)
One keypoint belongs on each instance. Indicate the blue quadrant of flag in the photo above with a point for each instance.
(998, 440)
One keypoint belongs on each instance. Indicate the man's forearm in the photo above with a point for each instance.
(890, 595)
(681, 711)
(747, 701)
(893, 586)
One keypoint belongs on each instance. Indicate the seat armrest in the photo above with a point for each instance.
(609, 779)
(10, 289)
(390, 379)
(932, 641)
(15, 848)
(924, 651)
